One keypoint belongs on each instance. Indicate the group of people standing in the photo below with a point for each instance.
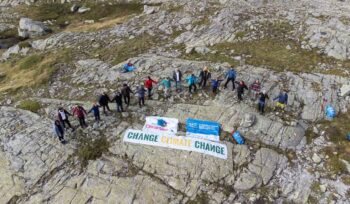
(62, 122)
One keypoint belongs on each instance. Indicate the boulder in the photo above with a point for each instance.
(248, 120)
(29, 28)
(345, 90)
(83, 9)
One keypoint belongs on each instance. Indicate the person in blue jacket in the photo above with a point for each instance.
(191, 81)
(282, 100)
(129, 67)
(141, 91)
(231, 76)
(96, 111)
(58, 129)
(215, 83)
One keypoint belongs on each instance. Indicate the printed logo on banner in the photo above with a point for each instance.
(209, 130)
(177, 142)
(161, 125)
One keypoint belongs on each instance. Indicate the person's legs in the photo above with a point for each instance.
(263, 108)
(108, 107)
(149, 92)
(121, 107)
(143, 101)
(204, 83)
(104, 109)
(190, 88)
(81, 122)
(195, 87)
(63, 124)
(84, 123)
(239, 94)
(201, 81)
(140, 98)
(215, 89)
(228, 80)
(68, 123)
(61, 136)
(233, 84)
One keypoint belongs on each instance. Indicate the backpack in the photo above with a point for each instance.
(231, 74)
(348, 136)
(238, 138)
(330, 112)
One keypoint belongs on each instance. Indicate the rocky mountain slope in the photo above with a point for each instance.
(65, 53)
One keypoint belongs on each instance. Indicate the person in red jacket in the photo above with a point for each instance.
(149, 86)
(80, 112)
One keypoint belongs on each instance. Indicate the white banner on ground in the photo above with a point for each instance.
(169, 127)
(182, 143)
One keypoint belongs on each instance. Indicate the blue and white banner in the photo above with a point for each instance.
(203, 129)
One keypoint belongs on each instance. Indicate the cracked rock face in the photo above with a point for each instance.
(286, 152)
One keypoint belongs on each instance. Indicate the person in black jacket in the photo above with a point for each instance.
(204, 75)
(262, 101)
(177, 76)
(62, 115)
(240, 89)
(103, 101)
(118, 98)
(59, 130)
(126, 94)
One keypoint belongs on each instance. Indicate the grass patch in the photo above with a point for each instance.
(24, 44)
(31, 71)
(61, 13)
(89, 149)
(200, 198)
(310, 135)
(129, 48)
(29, 105)
(30, 62)
(336, 131)
(8, 33)
(274, 54)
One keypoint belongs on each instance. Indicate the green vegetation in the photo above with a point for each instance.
(336, 130)
(200, 198)
(310, 135)
(30, 61)
(24, 44)
(89, 149)
(29, 105)
(129, 48)
(32, 70)
(240, 34)
(61, 12)
(8, 33)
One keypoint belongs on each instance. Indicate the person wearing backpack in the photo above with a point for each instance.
(62, 116)
(149, 86)
(126, 91)
(204, 75)
(118, 98)
(79, 112)
(231, 76)
(58, 129)
(103, 101)
(191, 80)
(96, 111)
